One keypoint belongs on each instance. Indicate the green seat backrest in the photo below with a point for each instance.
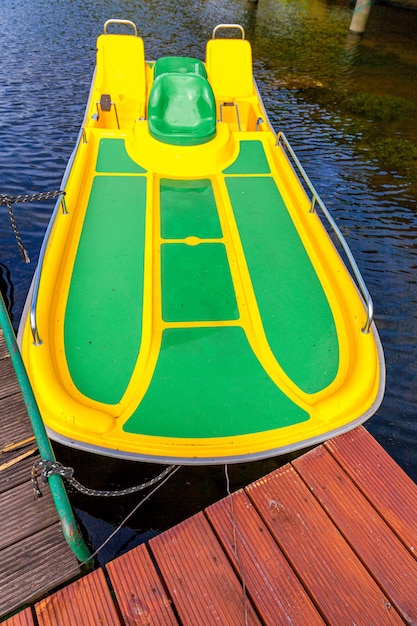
(179, 65)
(182, 109)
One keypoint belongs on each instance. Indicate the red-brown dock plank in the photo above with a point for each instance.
(337, 581)
(382, 481)
(87, 601)
(324, 539)
(139, 591)
(199, 577)
(269, 580)
(371, 538)
(24, 618)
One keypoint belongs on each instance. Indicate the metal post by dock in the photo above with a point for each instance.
(41, 545)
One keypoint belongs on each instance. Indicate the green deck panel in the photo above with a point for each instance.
(113, 158)
(250, 160)
(103, 320)
(196, 283)
(188, 209)
(208, 383)
(296, 316)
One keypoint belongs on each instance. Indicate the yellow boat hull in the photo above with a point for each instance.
(189, 306)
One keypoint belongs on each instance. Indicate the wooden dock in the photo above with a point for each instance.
(34, 556)
(329, 539)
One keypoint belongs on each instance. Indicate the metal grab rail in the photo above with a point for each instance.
(123, 22)
(234, 26)
(283, 142)
(37, 276)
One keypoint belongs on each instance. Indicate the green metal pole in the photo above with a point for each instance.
(69, 525)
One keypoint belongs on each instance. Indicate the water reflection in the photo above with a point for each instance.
(348, 105)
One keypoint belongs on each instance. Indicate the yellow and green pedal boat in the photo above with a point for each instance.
(188, 305)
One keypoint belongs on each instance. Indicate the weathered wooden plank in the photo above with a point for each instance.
(16, 456)
(9, 384)
(14, 421)
(139, 591)
(270, 582)
(86, 602)
(34, 556)
(199, 578)
(21, 514)
(339, 584)
(4, 353)
(382, 481)
(24, 618)
(373, 541)
(34, 566)
(17, 474)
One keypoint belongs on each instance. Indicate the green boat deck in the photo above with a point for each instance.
(207, 371)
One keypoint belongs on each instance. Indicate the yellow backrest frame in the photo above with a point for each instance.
(229, 68)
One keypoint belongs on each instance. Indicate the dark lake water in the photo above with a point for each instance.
(347, 104)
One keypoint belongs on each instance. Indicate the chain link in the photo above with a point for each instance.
(28, 197)
(48, 468)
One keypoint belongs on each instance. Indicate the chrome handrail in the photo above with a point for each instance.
(37, 276)
(219, 26)
(315, 199)
(123, 22)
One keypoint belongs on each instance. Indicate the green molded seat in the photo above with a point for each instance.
(179, 65)
(182, 110)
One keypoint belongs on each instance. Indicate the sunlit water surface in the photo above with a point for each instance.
(348, 105)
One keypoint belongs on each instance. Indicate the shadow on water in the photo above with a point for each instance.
(186, 493)
(347, 104)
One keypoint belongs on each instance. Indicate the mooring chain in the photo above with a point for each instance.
(48, 468)
(28, 197)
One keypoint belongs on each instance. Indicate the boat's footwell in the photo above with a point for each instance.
(102, 343)
(196, 367)
(196, 316)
